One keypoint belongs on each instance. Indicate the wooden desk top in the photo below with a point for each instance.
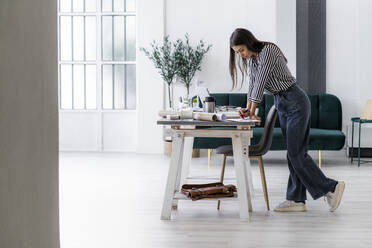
(192, 122)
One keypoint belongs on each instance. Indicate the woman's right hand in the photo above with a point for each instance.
(244, 113)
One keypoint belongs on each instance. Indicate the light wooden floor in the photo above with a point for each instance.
(114, 200)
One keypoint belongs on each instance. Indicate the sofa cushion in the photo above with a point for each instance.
(330, 112)
(314, 117)
(320, 139)
(326, 139)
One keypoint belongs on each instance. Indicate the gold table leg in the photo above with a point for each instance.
(209, 157)
(320, 159)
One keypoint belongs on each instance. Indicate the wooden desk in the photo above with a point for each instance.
(183, 133)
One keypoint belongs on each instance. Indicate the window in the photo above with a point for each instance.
(97, 54)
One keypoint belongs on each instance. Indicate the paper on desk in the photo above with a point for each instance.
(243, 120)
(230, 114)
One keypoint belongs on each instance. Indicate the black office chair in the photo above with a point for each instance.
(255, 151)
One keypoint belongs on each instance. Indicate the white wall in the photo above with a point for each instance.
(150, 91)
(349, 54)
(286, 31)
(28, 124)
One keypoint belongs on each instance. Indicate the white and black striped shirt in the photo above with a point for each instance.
(269, 73)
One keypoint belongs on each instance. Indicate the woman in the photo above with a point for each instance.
(267, 69)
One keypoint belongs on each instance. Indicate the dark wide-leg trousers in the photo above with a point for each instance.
(294, 115)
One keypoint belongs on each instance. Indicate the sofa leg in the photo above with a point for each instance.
(320, 159)
(209, 156)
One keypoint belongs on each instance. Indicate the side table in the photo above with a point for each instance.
(360, 121)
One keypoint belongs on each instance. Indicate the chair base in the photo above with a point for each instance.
(263, 178)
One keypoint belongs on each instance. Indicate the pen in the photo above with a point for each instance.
(242, 115)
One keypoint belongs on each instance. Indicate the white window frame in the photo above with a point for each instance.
(99, 59)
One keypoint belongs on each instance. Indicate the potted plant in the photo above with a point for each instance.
(164, 58)
(188, 60)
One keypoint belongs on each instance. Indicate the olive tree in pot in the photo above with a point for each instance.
(164, 58)
(188, 60)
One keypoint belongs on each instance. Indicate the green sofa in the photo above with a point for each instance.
(325, 129)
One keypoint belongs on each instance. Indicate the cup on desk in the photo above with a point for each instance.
(209, 104)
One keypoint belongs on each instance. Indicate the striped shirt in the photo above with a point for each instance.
(269, 73)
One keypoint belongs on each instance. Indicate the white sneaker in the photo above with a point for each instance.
(334, 199)
(290, 206)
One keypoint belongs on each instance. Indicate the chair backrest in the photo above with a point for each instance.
(264, 144)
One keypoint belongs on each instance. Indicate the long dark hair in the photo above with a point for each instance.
(243, 36)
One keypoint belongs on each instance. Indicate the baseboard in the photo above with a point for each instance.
(365, 152)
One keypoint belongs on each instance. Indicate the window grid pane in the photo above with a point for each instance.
(131, 87)
(78, 5)
(107, 40)
(78, 87)
(65, 5)
(78, 38)
(66, 86)
(119, 37)
(119, 5)
(90, 38)
(90, 5)
(106, 5)
(130, 38)
(91, 86)
(130, 5)
(65, 37)
(107, 88)
(119, 97)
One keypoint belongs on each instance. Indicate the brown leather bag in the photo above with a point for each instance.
(210, 190)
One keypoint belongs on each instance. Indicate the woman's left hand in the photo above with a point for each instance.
(255, 117)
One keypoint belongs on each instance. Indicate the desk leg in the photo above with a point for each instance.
(244, 195)
(174, 168)
(187, 155)
(184, 167)
(245, 145)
